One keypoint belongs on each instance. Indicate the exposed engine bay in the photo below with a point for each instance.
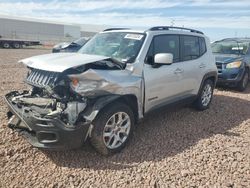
(41, 106)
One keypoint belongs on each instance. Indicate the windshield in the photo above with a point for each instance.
(121, 46)
(230, 47)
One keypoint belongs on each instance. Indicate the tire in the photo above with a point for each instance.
(6, 45)
(17, 45)
(106, 130)
(205, 96)
(242, 85)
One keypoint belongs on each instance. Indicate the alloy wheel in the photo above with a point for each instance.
(206, 95)
(116, 130)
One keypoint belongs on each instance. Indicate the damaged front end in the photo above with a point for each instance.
(47, 122)
(58, 111)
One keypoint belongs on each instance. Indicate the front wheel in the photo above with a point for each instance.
(205, 96)
(112, 128)
(242, 85)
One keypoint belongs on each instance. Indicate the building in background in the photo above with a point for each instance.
(89, 31)
(44, 31)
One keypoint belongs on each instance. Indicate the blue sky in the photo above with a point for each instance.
(217, 18)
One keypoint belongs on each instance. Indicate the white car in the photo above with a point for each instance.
(115, 79)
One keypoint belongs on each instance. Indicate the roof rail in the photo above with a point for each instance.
(111, 29)
(236, 38)
(157, 28)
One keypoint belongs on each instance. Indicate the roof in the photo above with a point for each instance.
(156, 28)
(239, 39)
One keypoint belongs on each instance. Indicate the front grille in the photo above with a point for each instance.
(41, 78)
(219, 67)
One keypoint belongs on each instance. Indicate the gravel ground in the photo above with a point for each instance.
(181, 148)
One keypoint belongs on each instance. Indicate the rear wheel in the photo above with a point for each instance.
(205, 96)
(112, 128)
(16, 45)
(242, 85)
(6, 45)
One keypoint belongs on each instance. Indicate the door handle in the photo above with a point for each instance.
(178, 71)
(202, 65)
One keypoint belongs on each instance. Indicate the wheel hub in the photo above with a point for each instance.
(116, 130)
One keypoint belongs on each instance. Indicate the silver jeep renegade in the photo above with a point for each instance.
(116, 78)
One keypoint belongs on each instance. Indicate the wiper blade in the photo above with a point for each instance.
(74, 43)
(120, 64)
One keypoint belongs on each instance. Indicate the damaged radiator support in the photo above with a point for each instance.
(50, 107)
(38, 101)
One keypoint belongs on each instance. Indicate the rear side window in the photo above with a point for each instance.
(203, 48)
(167, 44)
(183, 47)
(190, 48)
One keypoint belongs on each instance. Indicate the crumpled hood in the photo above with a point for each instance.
(226, 58)
(59, 62)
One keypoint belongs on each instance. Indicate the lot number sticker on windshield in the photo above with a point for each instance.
(133, 36)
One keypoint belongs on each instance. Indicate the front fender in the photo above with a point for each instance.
(93, 110)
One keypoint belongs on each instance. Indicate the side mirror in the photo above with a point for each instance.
(163, 58)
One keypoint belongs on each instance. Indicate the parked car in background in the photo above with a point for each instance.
(103, 90)
(233, 62)
(69, 46)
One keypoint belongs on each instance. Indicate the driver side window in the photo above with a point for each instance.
(164, 44)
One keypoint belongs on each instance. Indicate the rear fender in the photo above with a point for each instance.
(210, 75)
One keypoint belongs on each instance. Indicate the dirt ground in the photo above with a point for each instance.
(179, 148)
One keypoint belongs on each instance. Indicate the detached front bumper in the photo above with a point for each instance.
(45, 132)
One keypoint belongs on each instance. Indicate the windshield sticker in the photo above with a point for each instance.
(237, 48)
(133, 36)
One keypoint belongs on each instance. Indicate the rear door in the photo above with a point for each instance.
(192, 48)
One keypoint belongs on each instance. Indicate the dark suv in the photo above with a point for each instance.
(233, 62)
